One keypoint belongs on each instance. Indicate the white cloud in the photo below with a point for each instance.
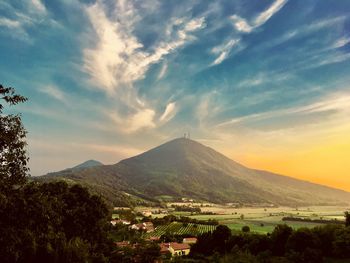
(241, 24)
(119, 58)
(223, 50)
(162, 71)
(54, 92)
(169, 112)
(244, 26)
(9, 23)
(141, 119)
(268, 13)
(39, 6)
(341, 42)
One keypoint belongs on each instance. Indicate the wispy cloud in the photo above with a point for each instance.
(338, 103)
(54, 92)
(268, 13)
(341, 42)
(241, 24)
(119, 58)
(244, 26)
(9, 23)
(223, 50)
(23, 18)
(139, 120)
(39, 6)
(163, 70)
(304, 30)
(169, 113)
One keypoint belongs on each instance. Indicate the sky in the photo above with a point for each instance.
(265, 82)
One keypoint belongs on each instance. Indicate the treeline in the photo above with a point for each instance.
(283, 245)
(309, 220)
(184, 208)
(183, 219)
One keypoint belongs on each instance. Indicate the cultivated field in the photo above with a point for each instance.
(178, 228)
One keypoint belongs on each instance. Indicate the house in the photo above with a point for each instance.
(179, 249)
(145, 226)
(146, 213)
(189, 240)
(120, 221)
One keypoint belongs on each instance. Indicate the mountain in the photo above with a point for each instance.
(87, 164)
(186, 168)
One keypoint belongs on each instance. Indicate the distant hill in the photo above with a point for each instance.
(186, 168)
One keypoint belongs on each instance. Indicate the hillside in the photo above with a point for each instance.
(186, 168)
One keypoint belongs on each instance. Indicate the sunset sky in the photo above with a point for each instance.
(265, 82)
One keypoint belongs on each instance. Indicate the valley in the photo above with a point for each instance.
(260, 220)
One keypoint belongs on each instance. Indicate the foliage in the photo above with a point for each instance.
(347, 218)
(283, 245)
(50, 222)
(140, 252)
(13, 155)
(245, 229)
(57, 223)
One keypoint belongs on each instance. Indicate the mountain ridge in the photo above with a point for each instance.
(186, 168)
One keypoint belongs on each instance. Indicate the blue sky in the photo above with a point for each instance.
(109, 79)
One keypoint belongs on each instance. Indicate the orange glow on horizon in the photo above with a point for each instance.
(325, 162)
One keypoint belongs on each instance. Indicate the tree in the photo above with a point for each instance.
(13, 155)
(50, 222)
(245, 229)
(347, 218)
(279, 238)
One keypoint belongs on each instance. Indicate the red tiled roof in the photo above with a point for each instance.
(190, 239)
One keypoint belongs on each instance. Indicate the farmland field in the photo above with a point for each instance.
(263, 219)
(178, 228)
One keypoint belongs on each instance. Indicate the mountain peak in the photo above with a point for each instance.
(87, 164)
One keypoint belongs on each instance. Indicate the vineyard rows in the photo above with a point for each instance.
(177, 228)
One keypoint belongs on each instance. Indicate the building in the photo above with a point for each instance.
(146, 213)
(179, 249)
(189, 240)
(145, 226)
(120, 221)
(175, 249)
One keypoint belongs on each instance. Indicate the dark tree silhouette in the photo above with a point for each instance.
(347, 218)
(13, 155)
(51, 222)
(245, 229)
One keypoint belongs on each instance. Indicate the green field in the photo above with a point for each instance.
(262, 219)
(178, 228)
